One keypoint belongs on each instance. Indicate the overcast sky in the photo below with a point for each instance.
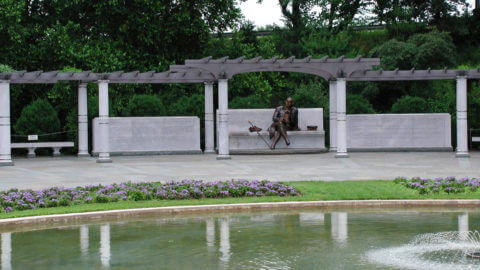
(269, 12)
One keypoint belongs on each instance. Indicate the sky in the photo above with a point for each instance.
(269, 12)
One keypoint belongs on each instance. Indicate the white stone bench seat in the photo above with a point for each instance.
(475, 139)
(32, 146)
(242, 141)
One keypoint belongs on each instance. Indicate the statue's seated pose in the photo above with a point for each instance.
(284, 118)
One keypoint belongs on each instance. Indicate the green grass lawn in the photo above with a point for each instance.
(311, 190)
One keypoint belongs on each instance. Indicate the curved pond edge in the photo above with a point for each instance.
(96, 215)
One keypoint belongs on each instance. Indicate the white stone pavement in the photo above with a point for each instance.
(71, 171)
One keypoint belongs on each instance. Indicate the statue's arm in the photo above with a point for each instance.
(276, 115)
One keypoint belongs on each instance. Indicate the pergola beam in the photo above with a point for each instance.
(412, 75)
(40, 77)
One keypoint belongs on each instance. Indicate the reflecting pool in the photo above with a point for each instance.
(301, 239)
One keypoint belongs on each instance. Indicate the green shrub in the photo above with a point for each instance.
(144, 105)
(356, 104)
(38, 118)
(409, 104)
(6, 68)
(188, 105)
(312, 95)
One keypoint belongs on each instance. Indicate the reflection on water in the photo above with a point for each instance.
(311, 219)
(84, 240)
(274, 240)
(224, 241)
(210, 233)
(105, 245)
(463, 226)
(6, 251)
(339, 227)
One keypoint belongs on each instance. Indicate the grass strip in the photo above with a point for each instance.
(311, 190)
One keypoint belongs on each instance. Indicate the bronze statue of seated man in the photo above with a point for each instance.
(284, 118)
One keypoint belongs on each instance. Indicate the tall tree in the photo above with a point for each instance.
(426, 11)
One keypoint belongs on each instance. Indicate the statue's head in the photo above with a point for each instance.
(289, 102)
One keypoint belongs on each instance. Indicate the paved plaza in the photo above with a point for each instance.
(72, 171)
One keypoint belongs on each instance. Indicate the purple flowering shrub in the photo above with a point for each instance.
(439, 184)
(15, 199)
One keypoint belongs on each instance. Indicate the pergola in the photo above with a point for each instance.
(208, 71)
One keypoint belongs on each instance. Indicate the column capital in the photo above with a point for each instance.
(82, 85)
(222, 80)
(103, 81)
(340, 79)
(4, 81)
(208, 83)
(461, 77)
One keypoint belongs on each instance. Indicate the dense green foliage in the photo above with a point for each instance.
(37, 118)
(144, 105)
(106, 36)
(408, 104)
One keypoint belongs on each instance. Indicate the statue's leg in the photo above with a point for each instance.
(283, 132)
(276, 139)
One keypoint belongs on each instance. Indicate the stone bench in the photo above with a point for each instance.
(32, 146)
(242, 141)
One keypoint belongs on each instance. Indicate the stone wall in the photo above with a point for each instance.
(151, 135)
(397, 132)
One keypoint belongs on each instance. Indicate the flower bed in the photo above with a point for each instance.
(437, 185)
(28, 199)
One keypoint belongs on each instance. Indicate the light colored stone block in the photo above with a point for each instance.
(399, 132)
(32, 146)
(151, 135)
(243, 141)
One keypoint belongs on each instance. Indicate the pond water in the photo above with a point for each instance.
(300, 239)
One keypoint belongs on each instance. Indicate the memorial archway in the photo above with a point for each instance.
(208, 71)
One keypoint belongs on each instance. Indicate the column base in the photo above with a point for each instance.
(341, 155)
(332, 149)
(209, 152)
(462, 155)
(6, 163)
(104, 160)
(31, 155)
(83, 155)
(223, 157)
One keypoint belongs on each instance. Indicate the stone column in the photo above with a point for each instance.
(462, 133)
(223, 143)
(333, 115)
(209, 128)
(5, 139)
(341, 119)
(82, 121)
(103, 124)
